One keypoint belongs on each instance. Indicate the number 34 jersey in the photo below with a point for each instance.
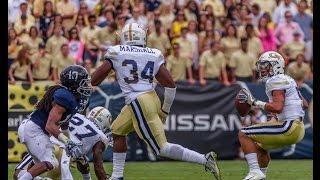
(135, 68)
(85, 131)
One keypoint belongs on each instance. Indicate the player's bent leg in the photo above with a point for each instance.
(250, 149)
(120, 128)
(65, 166)
(263, 159)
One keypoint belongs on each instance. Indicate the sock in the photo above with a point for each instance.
(86, 176)
(252, 161)
(264, 170)
(26, 176)
(21, 173)
(177, 152)
(118, 164)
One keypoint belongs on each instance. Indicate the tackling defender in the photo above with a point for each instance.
(90, 131)
(286, 102)
(136, 66)
(53, 111)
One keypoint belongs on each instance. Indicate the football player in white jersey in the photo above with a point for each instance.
(136, 67)
(286, 102)
(88, 131)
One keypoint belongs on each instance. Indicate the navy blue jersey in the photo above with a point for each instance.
(62, 97)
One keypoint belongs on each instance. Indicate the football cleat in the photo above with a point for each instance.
(212, 165)
(255, 175)
(114, 178)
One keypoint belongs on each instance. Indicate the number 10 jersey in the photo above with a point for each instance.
(135, 68)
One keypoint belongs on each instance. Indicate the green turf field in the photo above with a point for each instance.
(232, 170)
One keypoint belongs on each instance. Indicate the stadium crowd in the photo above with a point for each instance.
(201, 39)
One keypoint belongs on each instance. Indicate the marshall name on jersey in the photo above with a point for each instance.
(85, 131)
(293, 107)
(135, 68)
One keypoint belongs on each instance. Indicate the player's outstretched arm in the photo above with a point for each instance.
(101, 73)
(98, 150)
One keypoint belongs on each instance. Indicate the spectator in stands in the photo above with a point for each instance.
(14, 46)
(68, 12)
(57, 22)
(20, 70)
(216, 5)
(88, 36)
(26, 12)
(184, 44)
(80, 23)
(121, 21)
(242, 63)
(166, 16)
(46, 18)
(107, 18)
(212, 65)
(41, 64)
(179, 23)
(284, 6)
(293, 48)
(191, 10)
(178, 65)
(138, 17)
(304, 20)
(55, 42)
(84, 13)
(193, 37)
(22, 27)
(270, 23)
(106, 37)
(266, 6)
(299, 70)
(63, 60)
(266, 36)
(309, 47)
(254, 43)
(14, 10)
(208, 36)
(76, 46)
(256, 14)
(230, 42)
(33, 40)
(159, 40)
(284, 31)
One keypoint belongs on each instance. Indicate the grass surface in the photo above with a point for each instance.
(231, 170)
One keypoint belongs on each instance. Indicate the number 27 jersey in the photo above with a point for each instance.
(135, 68)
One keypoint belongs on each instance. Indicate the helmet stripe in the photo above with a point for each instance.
(98, 112)
(130, 32)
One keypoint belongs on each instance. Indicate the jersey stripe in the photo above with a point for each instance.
(267, 130)
(25, 161)
(144, 128)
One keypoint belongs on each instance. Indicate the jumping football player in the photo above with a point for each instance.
(53, 111)
(89, 131)
(136, 66)
(286, 102)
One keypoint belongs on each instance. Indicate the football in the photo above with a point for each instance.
(243, 108)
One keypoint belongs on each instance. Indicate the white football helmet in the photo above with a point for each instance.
(101, 117)
(133, 34)
(269, 64)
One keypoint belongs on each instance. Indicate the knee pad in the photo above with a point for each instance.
(174, 151)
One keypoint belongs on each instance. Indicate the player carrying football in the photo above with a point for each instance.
(286, 102)
(53, 111)
(136, 66)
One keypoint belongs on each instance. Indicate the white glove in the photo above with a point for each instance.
(74, 150)
(246, 97)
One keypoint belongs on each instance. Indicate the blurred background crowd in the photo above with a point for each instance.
(201, 39)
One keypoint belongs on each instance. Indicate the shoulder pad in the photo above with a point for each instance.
(64, 98)
(112, 52)
(278, 82)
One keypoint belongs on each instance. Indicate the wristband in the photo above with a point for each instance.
(260, 104)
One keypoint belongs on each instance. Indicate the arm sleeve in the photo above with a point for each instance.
(158, 63)
(111, 54)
